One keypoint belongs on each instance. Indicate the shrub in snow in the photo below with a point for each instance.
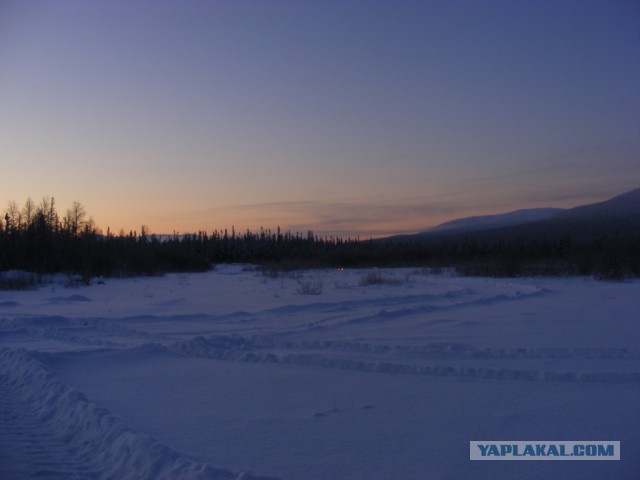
(17, 280)
(377, 278)
(309, 288)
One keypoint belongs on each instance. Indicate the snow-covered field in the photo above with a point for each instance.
(318, 375)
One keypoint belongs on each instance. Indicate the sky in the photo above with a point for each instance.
(349, 118)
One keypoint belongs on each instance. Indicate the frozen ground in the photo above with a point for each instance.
(219, 374)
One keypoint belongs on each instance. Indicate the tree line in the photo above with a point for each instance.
(36, 238)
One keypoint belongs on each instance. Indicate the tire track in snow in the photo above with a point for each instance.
(385, 315)
(82, 331)
(240, 349)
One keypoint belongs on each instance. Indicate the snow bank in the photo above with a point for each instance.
(100, 441)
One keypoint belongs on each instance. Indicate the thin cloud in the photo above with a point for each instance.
(364, 218)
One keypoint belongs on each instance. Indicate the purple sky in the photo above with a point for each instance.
(344, 117)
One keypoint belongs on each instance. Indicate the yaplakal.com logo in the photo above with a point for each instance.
(544, 450)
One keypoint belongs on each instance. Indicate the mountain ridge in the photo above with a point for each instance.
(484, 222)
(618, 215)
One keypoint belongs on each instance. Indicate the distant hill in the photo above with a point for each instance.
(486, 222)
(618, 216)
(622, 206)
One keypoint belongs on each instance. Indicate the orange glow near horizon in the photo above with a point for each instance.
(363, 220)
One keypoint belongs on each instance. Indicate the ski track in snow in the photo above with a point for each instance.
(418, 328)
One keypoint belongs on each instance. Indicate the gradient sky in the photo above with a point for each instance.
(345, 117)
